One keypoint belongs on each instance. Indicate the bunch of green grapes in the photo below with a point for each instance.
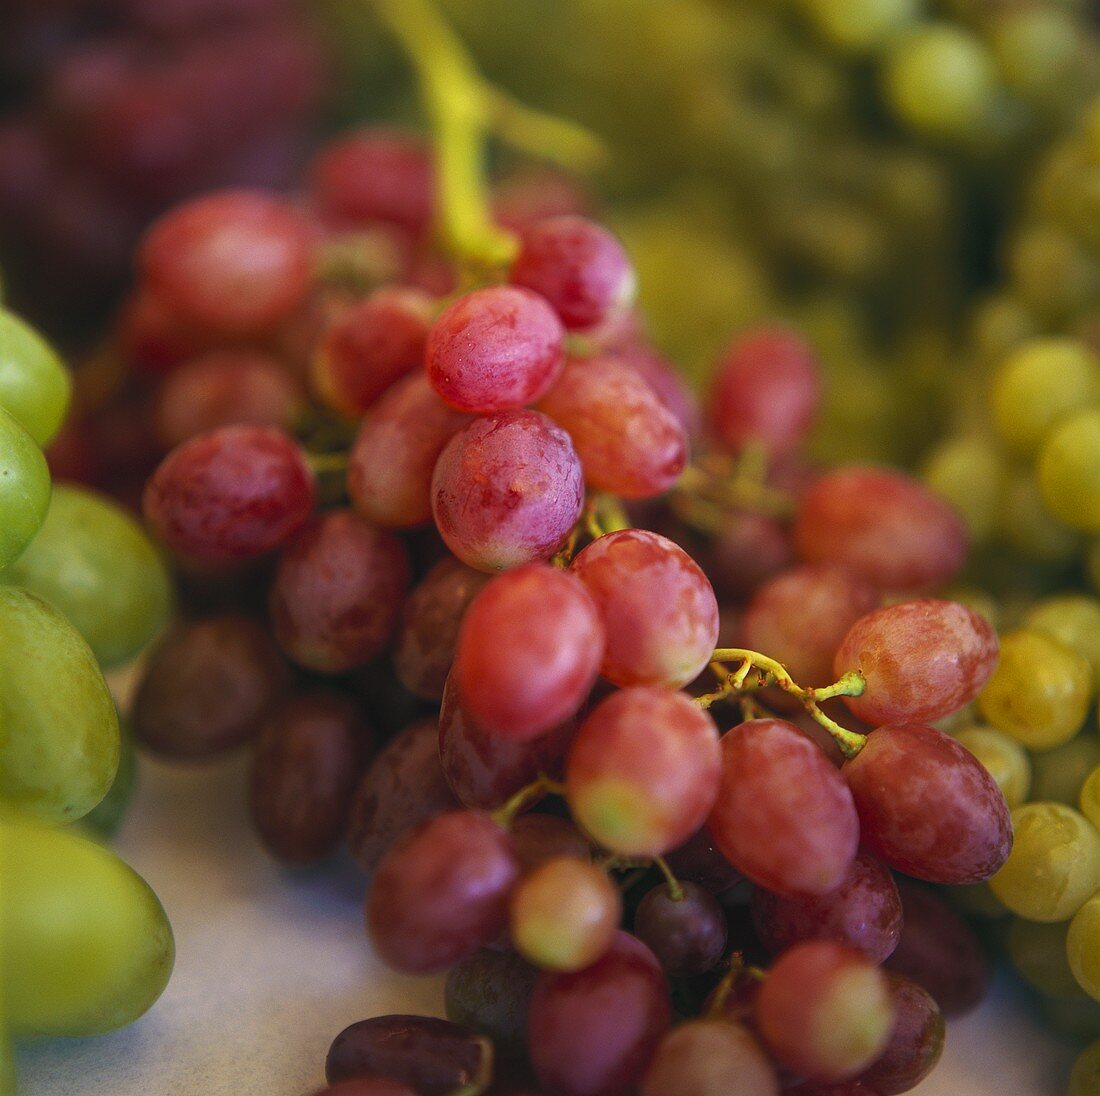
(86, 946)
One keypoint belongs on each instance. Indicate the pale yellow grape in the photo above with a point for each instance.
(1089, 800)
(1084, 1080)
(1003, 757)
(1069, 471)
(87, 946)
(1074, 619)
(1039, 52)
(1038, 952)
(1038, 385)
(1027, 525)
(860, 26)
(969, 473)
(1039, 693)
(1054, 865)
(1058, 775)
(1083, 947)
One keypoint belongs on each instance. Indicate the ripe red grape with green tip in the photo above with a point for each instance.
(230, 494)
(920, 660)
(916, 1041)
(495, 349)
(710, 1057)
(883, 524)
(766, 391)
(659, 608)
(592, 1032)
(642, 773)
(784, 816)
(507, 489)
(529, 650)
(927, 806)
(236, 262)
(628, 441)
(371, 346)
(441, 892)
(578, 266)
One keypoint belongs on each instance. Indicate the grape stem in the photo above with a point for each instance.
(769, 672)
(530, 793)
(711, 487)
(675, 891)
(463, 109)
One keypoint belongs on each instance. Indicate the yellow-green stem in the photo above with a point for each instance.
(531, 793)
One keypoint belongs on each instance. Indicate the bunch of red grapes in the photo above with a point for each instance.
(651, 860)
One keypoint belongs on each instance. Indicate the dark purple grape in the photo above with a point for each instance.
(698, 860)
(490, 992)
(916, 1041)
(688, 935)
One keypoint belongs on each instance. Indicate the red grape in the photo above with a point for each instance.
(921, 660)
(529, 650)
(495, 349)
(592, 1032)
(664, 378)
(541, 837)
(709, 1057)
(687, 934)
(784, 816)
(658, 606)
(765, 391)
(746, 550)
(441, 892)
(628, 441)
(916, 1041)
(642, 772)
(230, 494)
(337, 592)
(882, 523)
(534, 193)
(578, 266)
(154, 340)
(928, 807)
(236, 262)
(507, 489)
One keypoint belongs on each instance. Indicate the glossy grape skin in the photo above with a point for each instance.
(920, 660)
(507, 489)
(628, 441)
(230, 494)
(338, 592)
(784, 816)
(370, 346)
(235, 262)
(705, 1057)
(1069, 471)
(394, 454)
(95, 563)
(800, 617)
(549, 669)
(765, 391)
(485, 769)
(688, 934)
(207, 687)
(824, 1011)
(1054, 866)
(592, 1032)
(305, 768)
(88, 947)
(862, 913)
(403, 787)
(564, 914)
(916, 1041)
(884, 525)
(495, 349)
(642, 772)
(34, 384)
(576, 265)
(658, 607)
(939, 951)
(434, 1057)
(667, 381)
(1040, 691)
(441, 892)
(1003, 758)
(489, 993)
(224, 388)
(24, 489)
(927, 806)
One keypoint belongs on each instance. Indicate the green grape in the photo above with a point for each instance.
(1073, 619)
(969, 474)
(1051, 272)
(104, 819)
(1038, 952)
(96, 564)
(1040, 691)
(1039, 54)
(941, 81)
(59, 737)
(860, 26)
(1004, 758)
(1069, 472)
(1078, 1018)
(1090, 131)
(1054, 865)
(24, 489)
(87, 946)
(34, 385)
(1000, 324)
(1039, 384)
(1089, 798)
(1028, 526)
(1058, 775)
(1083, 947)
(1084, 1079)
